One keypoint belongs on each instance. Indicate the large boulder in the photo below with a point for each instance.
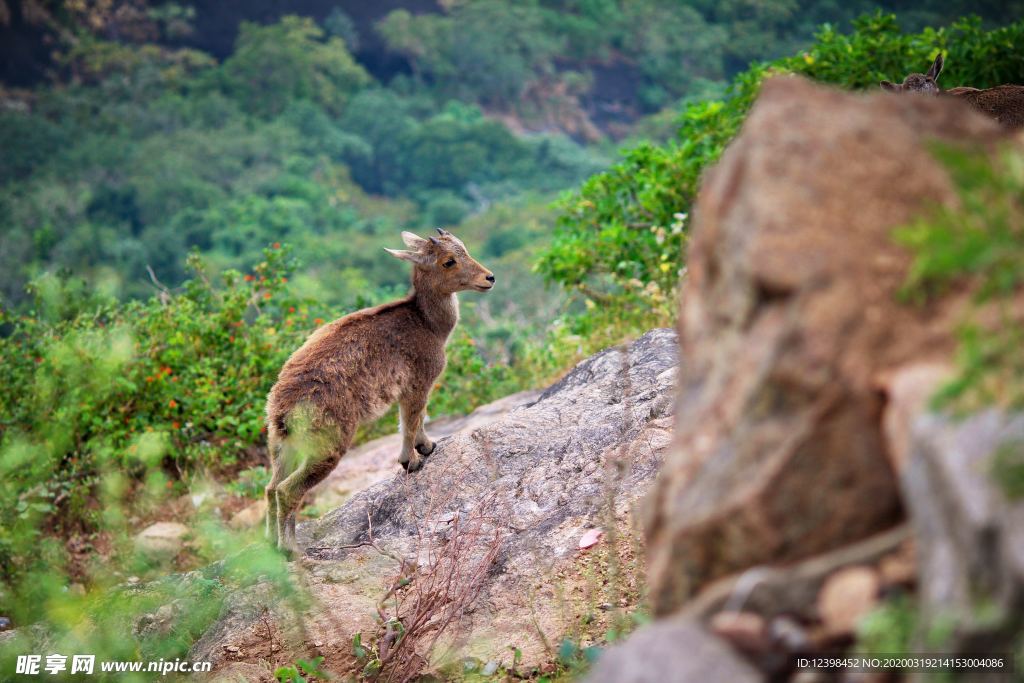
(675, 649)
(507, 512)
(790, 324)
(162, 538)
(970, 531)
(377, 460)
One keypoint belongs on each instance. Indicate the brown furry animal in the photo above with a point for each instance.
(351, 370)
(1004, 103)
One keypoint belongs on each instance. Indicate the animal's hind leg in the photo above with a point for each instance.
(292, 490)
(277, 474)
(321, 456)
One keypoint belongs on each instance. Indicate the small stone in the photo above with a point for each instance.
(745, 630)
(5, 623)
(162, 538)
(249, 516)
(590, 538)
(846, 597)
(231, 648)
(490, 668)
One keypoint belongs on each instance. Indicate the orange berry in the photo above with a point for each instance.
(318, 321)
(172, 403)
(266, 295)
(249, 278)
(277, 245)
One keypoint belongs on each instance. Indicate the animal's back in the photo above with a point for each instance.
(349, 370)
(1005, 103)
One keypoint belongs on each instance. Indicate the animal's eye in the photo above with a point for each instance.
(449, 263)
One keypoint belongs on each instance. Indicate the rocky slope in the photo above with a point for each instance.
(802, 479)
(493, 524)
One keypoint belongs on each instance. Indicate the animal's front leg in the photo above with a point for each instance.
(415, 442)
(424, 444)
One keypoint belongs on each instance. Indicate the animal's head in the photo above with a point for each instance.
(927, 84)
(443, 264)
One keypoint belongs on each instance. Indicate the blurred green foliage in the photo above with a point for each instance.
(150, 389)
(979, 244)
(889, 628)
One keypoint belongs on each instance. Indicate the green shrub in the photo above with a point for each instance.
(616, 234)
(979, 244)
(250, 483)
(151, 389)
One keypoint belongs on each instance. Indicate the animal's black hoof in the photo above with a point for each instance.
(425, 450)
(412, 466)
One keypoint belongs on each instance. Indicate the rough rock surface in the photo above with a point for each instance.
(970, 534)
(543, 475)
(908, 391)
(672, 650)
(789, 324)
(377, 460)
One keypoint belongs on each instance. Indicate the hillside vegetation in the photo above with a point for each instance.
(174, 225)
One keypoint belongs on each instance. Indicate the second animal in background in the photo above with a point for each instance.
(1004, 103)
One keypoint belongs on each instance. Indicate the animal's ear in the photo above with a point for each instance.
(890, 87)
(936, 68)
(410, 256)
(412, 241)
